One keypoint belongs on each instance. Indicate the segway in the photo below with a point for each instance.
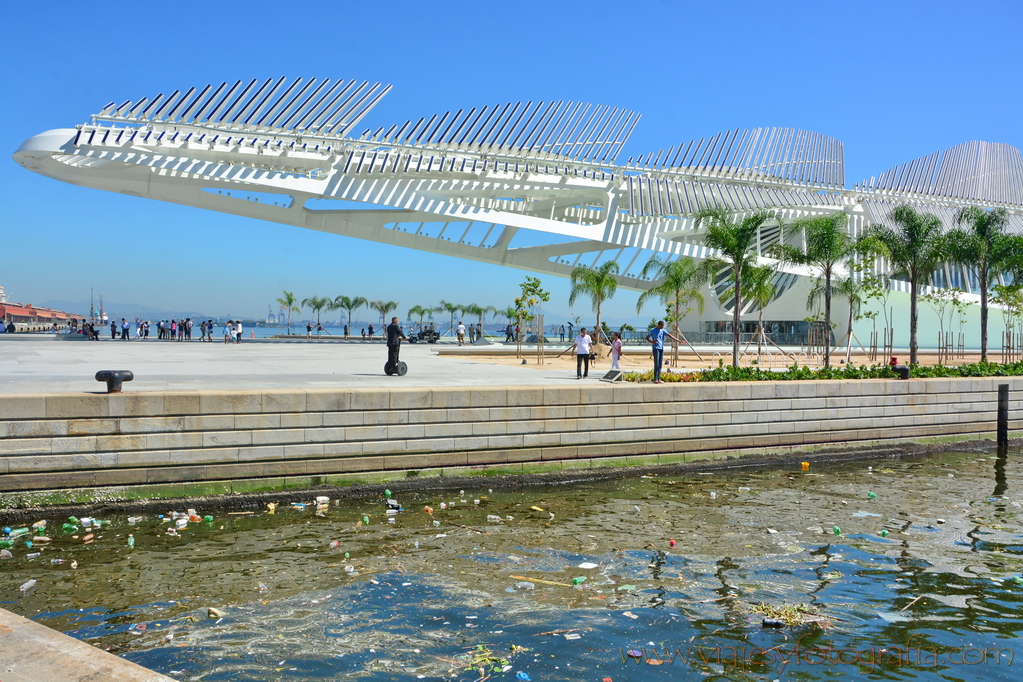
(401, 369)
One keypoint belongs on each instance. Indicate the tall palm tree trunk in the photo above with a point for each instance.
(736, 312)
(983, 311)
(827, 318)
(912, 319)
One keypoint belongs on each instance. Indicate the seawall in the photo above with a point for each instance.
(71, 448)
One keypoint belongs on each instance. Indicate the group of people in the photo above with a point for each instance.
(583, 345)
(169, 330)
(474, 331)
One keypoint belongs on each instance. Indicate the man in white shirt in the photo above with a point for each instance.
(461, 334)
(238, 332)
(582, 354)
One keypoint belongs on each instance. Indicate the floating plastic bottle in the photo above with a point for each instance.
(6, 544)
(18, 532)
(872, 496)
(72, 520)
(207, 519)
(131, 541)
(41, 539)
(806, 466)
(836, 530)
(713, 495)
(39, 524)
(69, 528)
(365, 520)
(493, 519)
(671, 543)
(579, 580)
(884, 533)
(181, 523)
(387, 494)
(28, 586)
(428, 509)
(334, 544)
(85, 522)
(57, 562)
(443, 505)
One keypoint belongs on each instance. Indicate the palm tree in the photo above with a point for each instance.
(317, 304)
(681, 281)
(985, 247)
(384, 308)
(735, 243)
(914, 246)
(826, 246)
(450, 308)
(760, 288)
(349, 304)
(420, 310)
(599, 284)
(288, 302)
(479, 311)
(853, 292)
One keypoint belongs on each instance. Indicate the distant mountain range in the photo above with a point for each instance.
(126, 310)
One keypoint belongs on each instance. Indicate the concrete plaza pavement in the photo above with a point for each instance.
(43, 364)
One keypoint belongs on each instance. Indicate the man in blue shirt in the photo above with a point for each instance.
(656, 338)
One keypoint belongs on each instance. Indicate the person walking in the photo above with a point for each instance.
(238, 331)
(472, 333)
(125, 329)
(394, 339)
(460, 332)
(308, 330)
(582, 345)
(202, 332)
(616, 350)
(508, 333)
(228, 331)
(656, 338)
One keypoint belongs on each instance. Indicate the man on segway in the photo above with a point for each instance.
(394, 339)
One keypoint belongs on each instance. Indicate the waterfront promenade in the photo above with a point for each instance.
(41, 364)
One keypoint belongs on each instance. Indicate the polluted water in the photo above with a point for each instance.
(645, 577)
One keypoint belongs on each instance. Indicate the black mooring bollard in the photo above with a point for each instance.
(901, 370)
(1003, 414)
(114, 377)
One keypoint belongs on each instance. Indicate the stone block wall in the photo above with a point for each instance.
(77, 441)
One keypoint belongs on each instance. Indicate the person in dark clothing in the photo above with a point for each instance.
(394, 339)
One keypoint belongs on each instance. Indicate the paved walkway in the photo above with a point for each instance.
(31, 652)
(41, 364)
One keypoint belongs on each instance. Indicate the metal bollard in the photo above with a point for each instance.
(114, 377)
(1003, 414)
(901, 370)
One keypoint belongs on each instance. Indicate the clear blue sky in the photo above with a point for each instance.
(893, 80)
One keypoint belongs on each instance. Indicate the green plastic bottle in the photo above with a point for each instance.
(387, 494)
(69, 528)
(131, 541)
(6, 544)
(579, 581)
(18, 532)
(837, 530)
